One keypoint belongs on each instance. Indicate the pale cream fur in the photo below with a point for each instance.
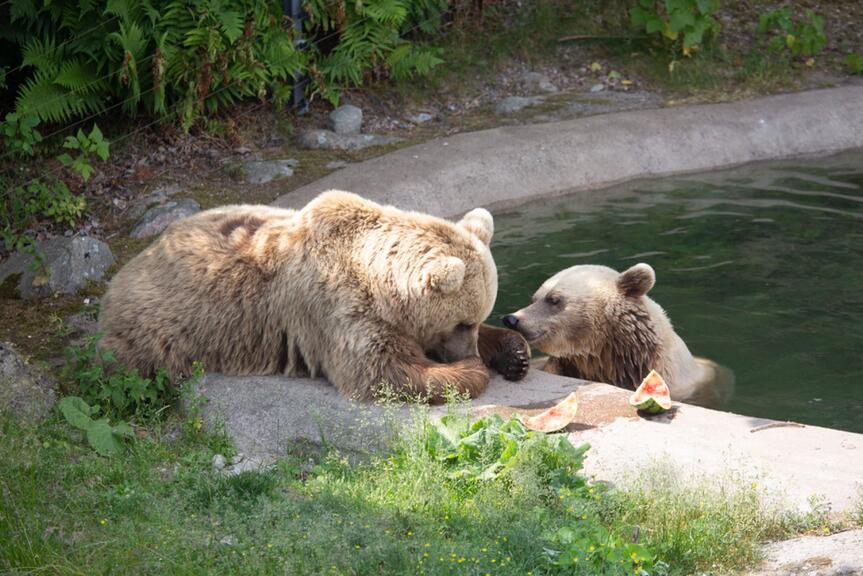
(345, 288)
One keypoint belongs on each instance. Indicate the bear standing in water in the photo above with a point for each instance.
(598, 324)
(359, 293)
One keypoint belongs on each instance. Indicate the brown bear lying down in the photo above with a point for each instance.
(598, 324)
(362, 294)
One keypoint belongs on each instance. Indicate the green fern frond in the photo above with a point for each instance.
(44, 55)
(121, 8)
(42, 97)
(25, 10)
(340, 69)
(232, 24)
(285, 61)
(130, 38)
(80, 77)
(390, 12)
(409, 60)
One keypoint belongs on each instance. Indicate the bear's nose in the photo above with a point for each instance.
(510, 321)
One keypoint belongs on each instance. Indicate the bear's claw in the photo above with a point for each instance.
(513, 360)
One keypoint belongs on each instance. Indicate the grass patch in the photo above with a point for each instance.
(491, 498)
(711, 75)
(710, 525)
(858, 512)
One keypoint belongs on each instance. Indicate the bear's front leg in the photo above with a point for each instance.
(414, 375)
(465, 377)
(504, 351)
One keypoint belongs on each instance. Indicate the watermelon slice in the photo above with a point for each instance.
(653, 395)
(555, 418)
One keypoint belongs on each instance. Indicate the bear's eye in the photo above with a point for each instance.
(552, 299)
(465, 327)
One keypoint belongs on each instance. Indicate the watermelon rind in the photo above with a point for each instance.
(648, 402)
(651, 405)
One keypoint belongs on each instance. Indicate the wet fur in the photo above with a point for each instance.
(628, 353)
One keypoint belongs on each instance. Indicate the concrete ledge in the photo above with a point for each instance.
(502, 167)
(266, 414)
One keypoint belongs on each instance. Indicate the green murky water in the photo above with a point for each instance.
(759, 268)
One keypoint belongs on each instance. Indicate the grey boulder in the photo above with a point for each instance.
(263, 171)
(159, 217)
(25, 391)
(329, 140)
(67, 265)
(346, 119)
(421, 118)
(513, 104)
(535, 81)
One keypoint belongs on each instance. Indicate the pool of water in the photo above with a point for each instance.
(759, 268)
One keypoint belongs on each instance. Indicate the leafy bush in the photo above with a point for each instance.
(93, 144)
(190, 57)
(684, 23)
(118, 391)
(372, 39)
(589, 547)
(40, 200)
(802, 35)
(43, 200)
(491, 447)
(20, 136)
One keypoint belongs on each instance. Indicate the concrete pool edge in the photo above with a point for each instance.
(503, 167)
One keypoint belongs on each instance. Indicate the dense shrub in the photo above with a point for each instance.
(683, 23)
(191, 57)
(802, 35)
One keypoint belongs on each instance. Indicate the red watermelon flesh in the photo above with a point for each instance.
(555, 418)
(653, 395)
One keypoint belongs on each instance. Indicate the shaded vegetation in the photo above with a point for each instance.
(158, 508)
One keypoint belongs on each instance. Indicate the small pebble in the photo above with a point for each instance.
(219, 462)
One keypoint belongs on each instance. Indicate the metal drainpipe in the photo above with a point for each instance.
(298, 15)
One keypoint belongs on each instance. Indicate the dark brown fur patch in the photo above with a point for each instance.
(630, 352)
(283, 354)
(249, 223)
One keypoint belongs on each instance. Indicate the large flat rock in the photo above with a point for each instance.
(263, 414)
(266, 414)
(506, 166)
(839, 554)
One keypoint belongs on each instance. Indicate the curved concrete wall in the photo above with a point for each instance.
(506, 166)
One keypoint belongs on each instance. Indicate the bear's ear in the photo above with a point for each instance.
(479, 223)
(444, 274)
(637, 281)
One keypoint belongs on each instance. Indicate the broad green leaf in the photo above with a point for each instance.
(679, 21)
(102, 439)
(76, 411)
(123, 429)
(654, 24)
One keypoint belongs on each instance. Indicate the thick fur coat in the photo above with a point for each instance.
(362, 294)
(598, 324)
